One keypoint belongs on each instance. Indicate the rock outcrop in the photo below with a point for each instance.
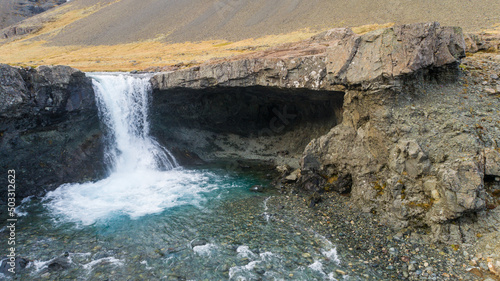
(423, 153)
(331, 61)
(482, 42)
(416, 143)
(49, 128)
(278, 80)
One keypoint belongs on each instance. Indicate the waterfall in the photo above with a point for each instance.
(123, 102)
(144, 177)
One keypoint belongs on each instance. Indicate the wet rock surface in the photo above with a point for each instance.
(49, 128)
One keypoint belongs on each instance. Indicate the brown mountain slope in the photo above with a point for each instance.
(197, 20)
(122, 35)
(13, 11)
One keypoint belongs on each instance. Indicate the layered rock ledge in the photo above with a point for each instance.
(301, 86)
(331, 61)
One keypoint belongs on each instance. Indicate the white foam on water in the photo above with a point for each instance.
(317, 266)
(20, 209)
(266, 215)
(39, 265)
(147, 265)
(20, 213)
(243, 270)
(330, 277)
(144, 177)
(78, 255)
(245, 252)
(268, 256)
(331, 254)
(329, 250)
(26, 199)
(109, 260)
(134, 195)
(205, 250)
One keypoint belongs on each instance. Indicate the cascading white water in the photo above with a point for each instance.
(144, 177)
(123, 102)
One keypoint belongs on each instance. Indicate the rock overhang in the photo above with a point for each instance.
(332, 60)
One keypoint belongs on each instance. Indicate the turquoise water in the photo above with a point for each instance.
(225, 234)
(151, 219)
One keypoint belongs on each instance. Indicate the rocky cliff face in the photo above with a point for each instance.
(421, 149)
(332, 60)
(305, 81)
(49, 127)
(416, 143)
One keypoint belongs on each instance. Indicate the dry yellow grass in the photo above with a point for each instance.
(33, 50)
(370, 27)
(135, 56)
(495, 29)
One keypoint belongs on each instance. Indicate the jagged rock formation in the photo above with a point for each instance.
(483, 41)
(415, 153)
(332, 60)
(49, 128)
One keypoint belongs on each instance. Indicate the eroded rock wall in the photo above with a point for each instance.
(327, 65)
(417, 143)
(245, 123)
(422, 152)
(49, 127)
(417, 155)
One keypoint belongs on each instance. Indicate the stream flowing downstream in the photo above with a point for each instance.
(151, 219)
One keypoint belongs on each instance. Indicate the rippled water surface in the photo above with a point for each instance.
(216, 230)
(151, 219)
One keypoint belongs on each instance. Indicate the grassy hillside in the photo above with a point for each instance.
(104, 35)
